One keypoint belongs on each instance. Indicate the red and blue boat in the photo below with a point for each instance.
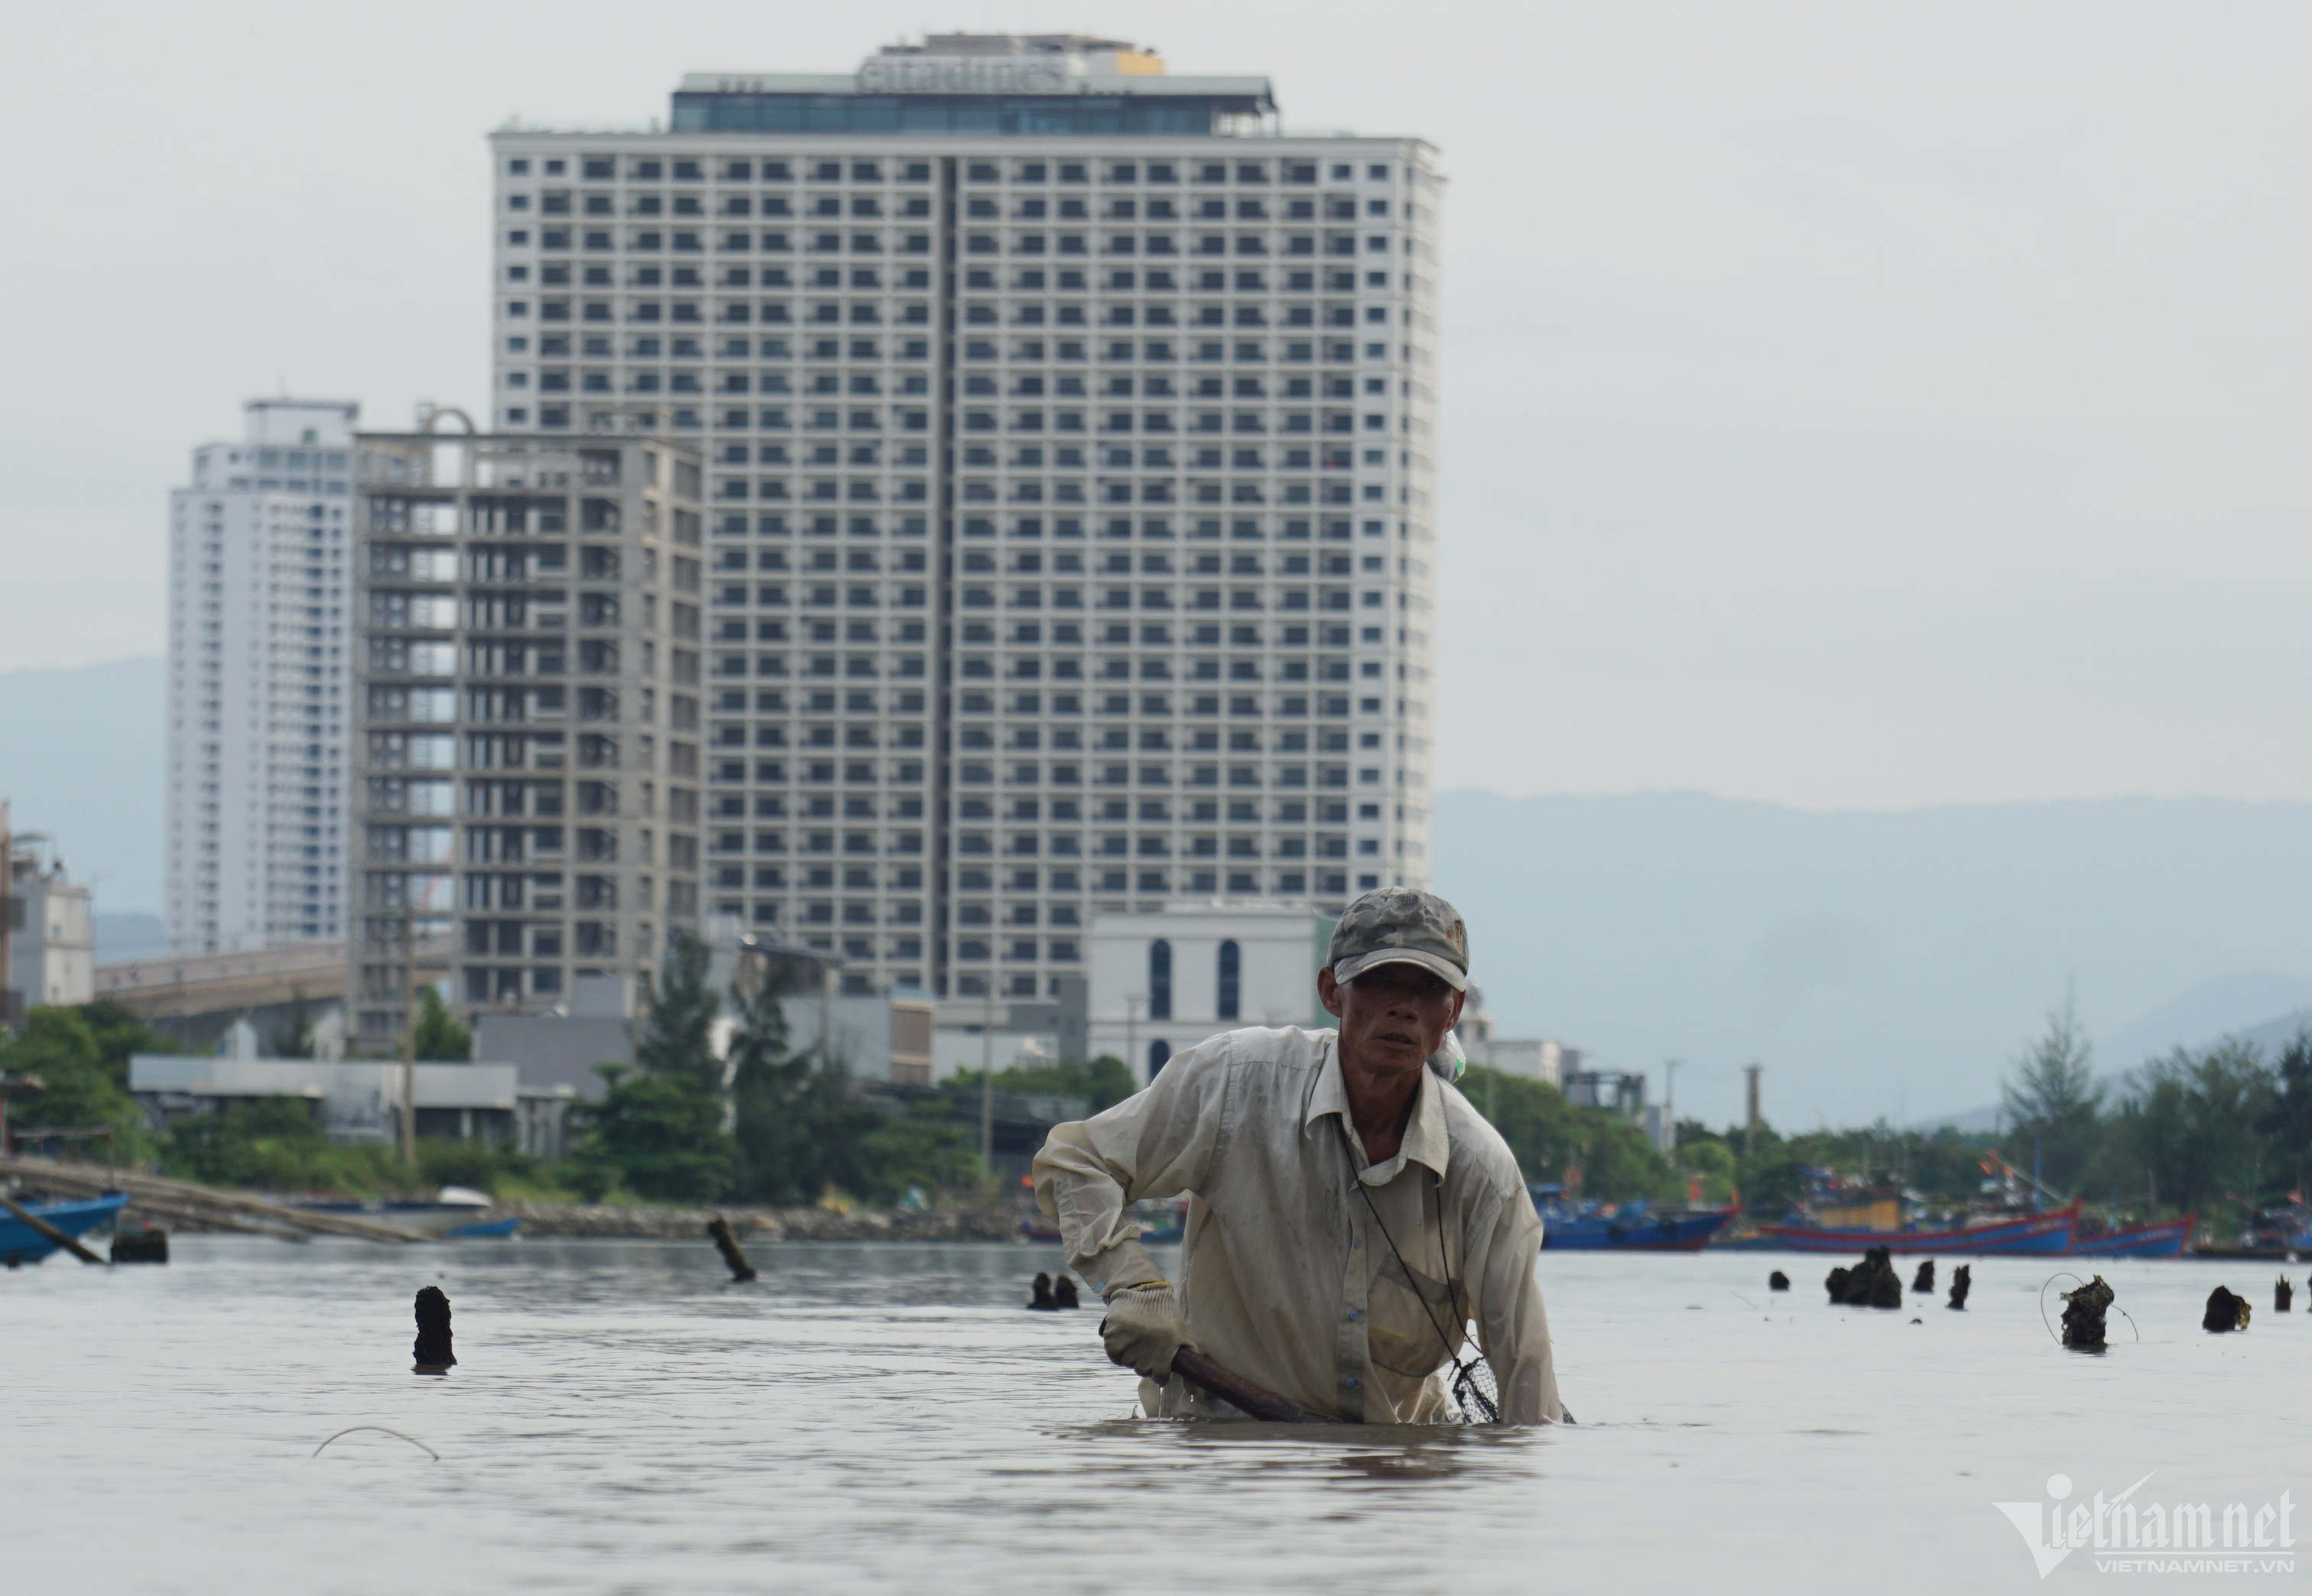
(2165, 1238)
(2048, 1234)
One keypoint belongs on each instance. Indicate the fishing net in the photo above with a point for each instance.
(1475, 1391)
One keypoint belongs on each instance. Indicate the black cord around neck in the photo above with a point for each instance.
(1452, 1293)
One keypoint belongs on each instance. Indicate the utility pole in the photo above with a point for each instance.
(1750, 1130)
(1670, 1067)
(408, 1026)
(7, 919)
(987, 1078)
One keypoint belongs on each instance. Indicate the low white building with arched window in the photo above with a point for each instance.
(1161, 983)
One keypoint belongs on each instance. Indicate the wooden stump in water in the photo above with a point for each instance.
(1870, 1284)
(1924, 1280)
(1962, 1278)
(1040, 1299)
(432, 1351)
(1063, 1292)
(726, 1242)
(2083, 1311)
(2224, 1312)
(1778, 1281)
(2283, 1296)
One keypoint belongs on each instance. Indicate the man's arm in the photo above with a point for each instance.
(1157, 1143)
(1513, 1326)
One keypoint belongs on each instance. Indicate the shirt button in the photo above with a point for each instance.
(1357, 1314)
(1349, 1382)
(1355, 1242)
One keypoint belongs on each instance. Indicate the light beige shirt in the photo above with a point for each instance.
(1286, 1276)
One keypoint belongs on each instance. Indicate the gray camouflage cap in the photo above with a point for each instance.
(1398, 925)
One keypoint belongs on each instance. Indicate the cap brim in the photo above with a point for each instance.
(1443, 969)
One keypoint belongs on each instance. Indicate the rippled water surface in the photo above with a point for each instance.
(877, 1418)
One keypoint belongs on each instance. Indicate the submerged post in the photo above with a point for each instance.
(432, 1350)
(726, 1242)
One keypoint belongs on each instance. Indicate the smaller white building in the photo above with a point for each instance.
(354, 1101)
(1534, 1057)
(51, 937)
(1163, 982)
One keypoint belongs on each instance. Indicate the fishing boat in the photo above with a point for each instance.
(2165, 1238)
(2048, 1233)
(1645, 1230)
(20, 1244)
(456, 1214)
(1637, 1226)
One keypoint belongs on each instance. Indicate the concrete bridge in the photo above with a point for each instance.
(193, 1000)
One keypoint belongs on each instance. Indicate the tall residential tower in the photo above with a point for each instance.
(1070, 441)
(526, 757)
(256, 682)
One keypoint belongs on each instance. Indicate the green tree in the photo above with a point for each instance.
(922, 1147)
(678, 1036)
(2053, 1107)
(2188, 1125)
(439, 1037)
(661, 1136)
(79, 1086)
(1606, 1155)
(2287, 1124)
(1775, 1180)
(118, 1034)
(272, 1143)
(1101, 1083)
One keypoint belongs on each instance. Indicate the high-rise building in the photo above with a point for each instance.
(256, 682)
(1070, 443)
(526, 751)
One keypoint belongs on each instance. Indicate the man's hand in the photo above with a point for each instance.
(1144, 1328)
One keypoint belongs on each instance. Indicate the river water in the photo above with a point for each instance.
(886, 1417)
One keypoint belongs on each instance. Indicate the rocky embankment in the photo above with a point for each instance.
(767, 1225)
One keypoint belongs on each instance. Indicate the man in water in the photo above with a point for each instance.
(1349, 1212)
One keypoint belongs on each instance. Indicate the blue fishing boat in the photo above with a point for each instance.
(20, 1244)
(1622, 1227)
(457, 1213)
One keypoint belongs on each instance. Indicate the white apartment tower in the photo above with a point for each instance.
(1070, 441)
(258, 684)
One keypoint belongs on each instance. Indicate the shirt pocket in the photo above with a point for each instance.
(1411, 1324)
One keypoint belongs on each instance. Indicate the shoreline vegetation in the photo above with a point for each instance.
(773, 1131)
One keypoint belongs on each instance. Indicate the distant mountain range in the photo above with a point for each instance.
(1875, 963)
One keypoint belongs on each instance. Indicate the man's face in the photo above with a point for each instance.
(1392, 1016)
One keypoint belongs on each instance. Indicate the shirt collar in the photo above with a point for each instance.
(1425, 1142)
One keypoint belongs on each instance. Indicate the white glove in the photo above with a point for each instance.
(1144, 1328)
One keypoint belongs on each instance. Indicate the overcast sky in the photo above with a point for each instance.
(1845, 406)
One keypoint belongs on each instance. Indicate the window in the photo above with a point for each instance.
(1160, 1052)
(1232, 962)
(1160, 985)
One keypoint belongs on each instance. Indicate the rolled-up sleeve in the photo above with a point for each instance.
(1505, 1246)
(1157, 1143)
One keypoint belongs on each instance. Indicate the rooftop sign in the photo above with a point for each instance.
(970, 74)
